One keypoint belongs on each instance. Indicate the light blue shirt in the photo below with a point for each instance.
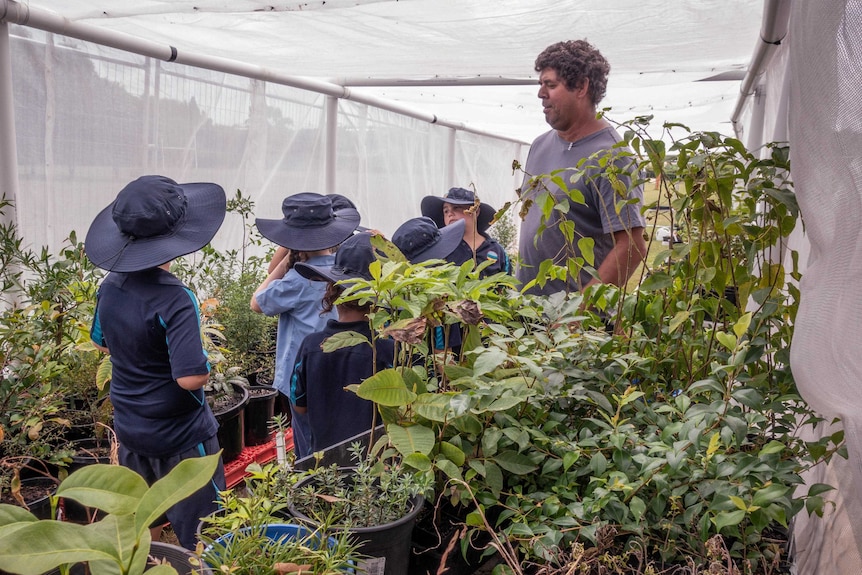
(297, 301)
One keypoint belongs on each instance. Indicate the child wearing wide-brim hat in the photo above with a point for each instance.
(148, 320)
(310, 228)
(460, 204)
(334, 413)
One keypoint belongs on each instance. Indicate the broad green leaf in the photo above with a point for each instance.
(342, 340)
(504, 403)
(488, 360)
(111, 488)
(569, 458)
(514, 462)
(386, 387)
(413, 439)
(183, 480)
(490, 439)
(418, 461)
(43, 545)
(433, 406)
(14, 514)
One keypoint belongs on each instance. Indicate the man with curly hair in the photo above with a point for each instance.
(572, 81)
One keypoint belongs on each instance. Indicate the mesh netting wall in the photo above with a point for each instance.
(824, 120)
(89, 119)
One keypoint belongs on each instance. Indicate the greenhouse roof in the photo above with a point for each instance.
(662, 53)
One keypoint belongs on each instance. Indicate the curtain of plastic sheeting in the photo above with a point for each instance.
(825, 129)
(89, 119)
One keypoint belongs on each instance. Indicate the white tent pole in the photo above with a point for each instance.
(18, 13)
(330, 141)
(776, 18)
(754, 139)
(8, 150)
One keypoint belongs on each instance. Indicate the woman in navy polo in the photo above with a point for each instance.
(148, 320)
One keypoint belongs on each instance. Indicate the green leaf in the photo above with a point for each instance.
(488, 360)
(43, 545)
(450, 469)
(183, 480)
(728, 519)
(387, 388)
(514, 462)
(726, 339)
(474, 519)
(418, 461)
(637, 507)
(569, 458)
(494, 478)
(680, 318)
(452, 453)
(433, 406)
(586, 246)
(343, 339)
(111, 488)
(769, 494)
(656, 281)
(819, 488)
(741, 325)
(413, 439)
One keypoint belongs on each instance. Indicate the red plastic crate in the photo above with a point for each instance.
(264, 453)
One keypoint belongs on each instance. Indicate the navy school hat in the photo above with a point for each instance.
(432, 207)
(152, 221)
(340, 202)
(310, 223)
(419, 239)
(352, 260)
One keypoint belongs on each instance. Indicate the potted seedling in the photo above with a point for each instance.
(376, 502)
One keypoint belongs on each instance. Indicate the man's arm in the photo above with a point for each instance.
(629, 250)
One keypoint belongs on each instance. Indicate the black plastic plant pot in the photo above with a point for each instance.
(87, 452)
(386, 547)
(258, 413)
(231, 427)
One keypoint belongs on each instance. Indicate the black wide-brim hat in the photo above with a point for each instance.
(152, 221)
(420, 240)
(432, 207)
(352, 261)
(309, 223)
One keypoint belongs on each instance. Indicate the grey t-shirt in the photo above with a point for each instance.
(597, 219)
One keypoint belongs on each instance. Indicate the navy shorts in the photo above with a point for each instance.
(185, 515)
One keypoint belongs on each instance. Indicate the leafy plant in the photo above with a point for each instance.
(117, 543)
(238, 537)
(672, 440)
(370, 494)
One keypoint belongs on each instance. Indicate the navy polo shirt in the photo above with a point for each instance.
(319, 379)
(488, 250)
(150, 322)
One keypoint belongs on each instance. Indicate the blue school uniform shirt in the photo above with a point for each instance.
(298, 303)
(150, 322)
(319, 379)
